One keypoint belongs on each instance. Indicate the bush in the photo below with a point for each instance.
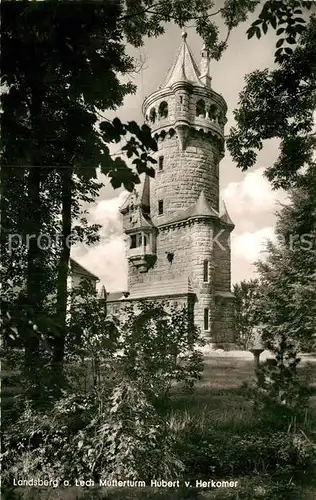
(281, 397)
(159, 347)
(89, 437)
(281, 455)
(113, 428)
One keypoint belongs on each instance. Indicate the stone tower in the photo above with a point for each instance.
(177, 229)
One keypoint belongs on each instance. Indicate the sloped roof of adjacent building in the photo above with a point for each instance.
(184, 68)
(115, 296)
(180, 286)
(76, 268)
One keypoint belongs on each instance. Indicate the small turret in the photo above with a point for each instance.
(205, 68)
(185, 100)
(141, 241)
(224, 215)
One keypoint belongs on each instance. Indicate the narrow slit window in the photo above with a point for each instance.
(206, 271)
(206, 319)
(160, 163)
(160, 207)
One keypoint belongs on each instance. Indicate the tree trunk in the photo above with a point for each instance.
(34, 279)
(34, 272)
(62, 292)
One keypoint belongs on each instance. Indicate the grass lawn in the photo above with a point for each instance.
(220, 398)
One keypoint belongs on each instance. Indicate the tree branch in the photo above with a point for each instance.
(144, 11)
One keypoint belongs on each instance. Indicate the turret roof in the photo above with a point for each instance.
(144, 220)
(201, 208)
(184, 68)
(145, 194)
(140, 194)
(224, 215)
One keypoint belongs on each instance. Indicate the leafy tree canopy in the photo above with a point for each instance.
(279, 104)
(245, 311)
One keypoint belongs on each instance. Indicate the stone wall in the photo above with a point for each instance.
(222, 258)
(223, 328)
(202, 250)
(117, 307)
(185, 174)
(191, 245)
(174, 239)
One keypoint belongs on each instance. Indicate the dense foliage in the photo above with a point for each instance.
(279, 104)
(287, 304)
(114, 428)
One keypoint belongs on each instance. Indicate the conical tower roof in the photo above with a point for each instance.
(145, 194)
(103, 293)
(201, 208)
(139, 196)
(184, 68)
(224, 215)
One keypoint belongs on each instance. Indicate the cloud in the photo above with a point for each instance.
(107, 258)
(106, 213)
(250, 246)
(253, 194)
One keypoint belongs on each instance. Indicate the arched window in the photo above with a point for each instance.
(172, 132)
(163, 109)
(200, 109)
(206, 271)
(152, 115)
(213, 112)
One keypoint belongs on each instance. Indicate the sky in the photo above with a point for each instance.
(250, 200)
